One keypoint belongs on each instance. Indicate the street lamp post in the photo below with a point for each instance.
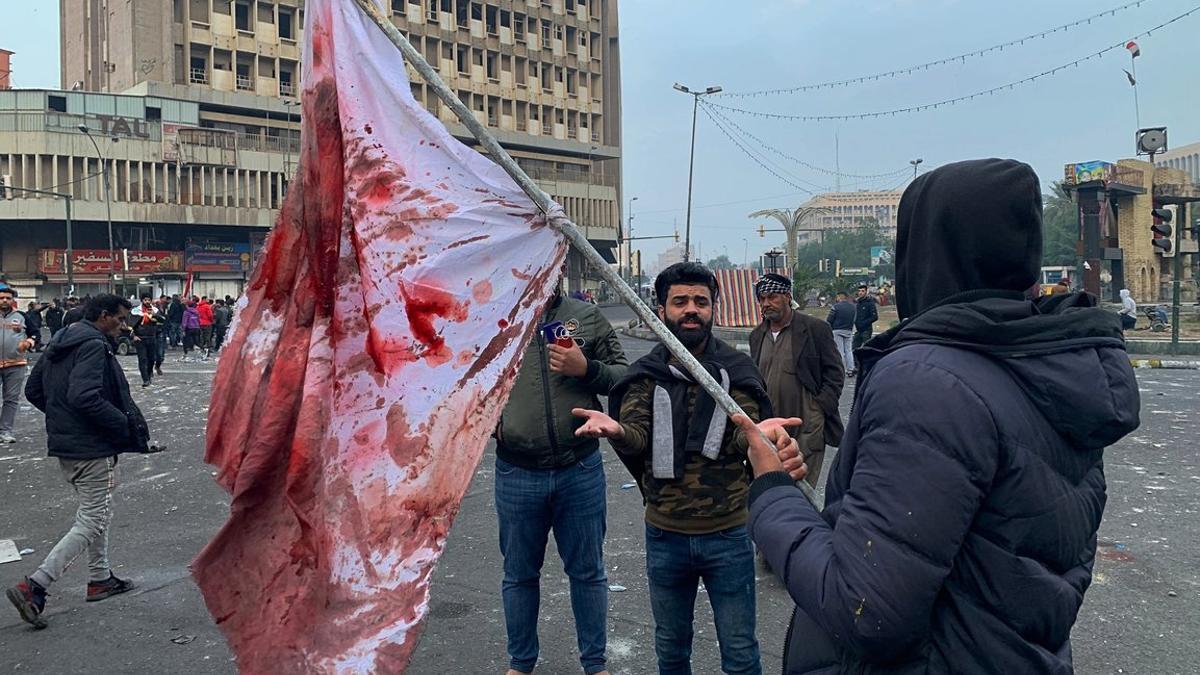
(112, 258)
(915, 163)
(628, 234)
(687, 231)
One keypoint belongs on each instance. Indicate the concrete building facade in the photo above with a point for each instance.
(200, 97)
(848, 209)
(1185, 158)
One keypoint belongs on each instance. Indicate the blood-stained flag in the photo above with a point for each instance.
(368, 364)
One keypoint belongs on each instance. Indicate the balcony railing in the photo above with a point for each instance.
(245, 83)
(287, 89)
(198, 76)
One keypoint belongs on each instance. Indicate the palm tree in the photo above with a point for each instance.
(1060, 226)
(793, 221)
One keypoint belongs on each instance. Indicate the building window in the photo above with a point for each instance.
(519, 28)
(491, 21)
(241, 17)
(492, 73)
(286, 24)
(398, 7)
(266, 12)
(464, 67)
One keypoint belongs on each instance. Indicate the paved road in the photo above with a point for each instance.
(1141, 616)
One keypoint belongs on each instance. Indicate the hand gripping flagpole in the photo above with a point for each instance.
(554, 216)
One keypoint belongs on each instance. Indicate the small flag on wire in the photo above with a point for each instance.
(1129, 75)
(1134, 50)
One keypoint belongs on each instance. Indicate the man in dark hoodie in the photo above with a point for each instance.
(959, 530)
(90, 419)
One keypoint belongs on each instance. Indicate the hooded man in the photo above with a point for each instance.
(1128, 310)
(960, 519)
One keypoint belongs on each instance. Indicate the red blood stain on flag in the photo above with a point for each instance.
(368, 363)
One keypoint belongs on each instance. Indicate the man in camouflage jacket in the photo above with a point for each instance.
(690, 462)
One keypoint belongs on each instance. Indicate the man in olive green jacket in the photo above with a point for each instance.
(548, 478)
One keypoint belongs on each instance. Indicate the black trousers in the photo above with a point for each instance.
(860, 337)
(191, 338)
(147, 352)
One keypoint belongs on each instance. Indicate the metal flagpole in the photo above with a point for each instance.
(563, 224)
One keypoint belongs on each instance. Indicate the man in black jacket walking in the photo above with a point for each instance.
(90, 419)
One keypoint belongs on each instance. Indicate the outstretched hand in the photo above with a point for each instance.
(598, 425)
(778, 451)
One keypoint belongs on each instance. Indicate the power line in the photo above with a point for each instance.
(960, 58)
(751, 155)
(767, 146)
(711, 206)
(957, 99)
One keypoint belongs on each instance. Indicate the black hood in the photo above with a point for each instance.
(968, 226)
(1067, 353)
(66, 340)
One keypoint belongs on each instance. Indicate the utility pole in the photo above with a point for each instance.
(628, 237)
(1177, 271)
(112, 258)
(687, 235)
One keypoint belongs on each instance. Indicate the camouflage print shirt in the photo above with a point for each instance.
(711, 495)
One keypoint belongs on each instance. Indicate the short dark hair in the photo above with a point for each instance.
(842, 293)
(104, 302)
(147, 297)
(10, 290)
(684, 273)
(862, 287)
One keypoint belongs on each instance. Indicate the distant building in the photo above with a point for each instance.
(203, 97)
(1186, 158)
(5, 69)
(848, 209)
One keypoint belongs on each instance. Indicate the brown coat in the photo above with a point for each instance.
(818, 367)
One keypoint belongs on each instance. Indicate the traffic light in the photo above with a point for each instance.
(838, 268)
(677, 236)
(821, 265)
(1161, 229)
(4, 180)
(762, 232)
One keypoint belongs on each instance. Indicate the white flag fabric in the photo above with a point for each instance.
(367, 366)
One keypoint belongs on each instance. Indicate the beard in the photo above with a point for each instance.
(690, 337)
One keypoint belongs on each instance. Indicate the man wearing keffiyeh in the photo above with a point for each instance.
(798, 357)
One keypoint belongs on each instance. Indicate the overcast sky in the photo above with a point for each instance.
(1085, 112)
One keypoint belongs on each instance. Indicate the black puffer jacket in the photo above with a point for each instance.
(959, 529)
(83, 391)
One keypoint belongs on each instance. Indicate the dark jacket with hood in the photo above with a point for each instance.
(82, 390)
(959, 530)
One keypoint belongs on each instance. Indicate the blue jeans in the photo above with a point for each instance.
(161, 343)
(571, 501)
(174, 333)
(675, 564)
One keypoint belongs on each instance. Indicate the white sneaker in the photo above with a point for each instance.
(7, 438)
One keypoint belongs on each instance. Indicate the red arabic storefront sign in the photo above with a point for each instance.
(96, 261)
